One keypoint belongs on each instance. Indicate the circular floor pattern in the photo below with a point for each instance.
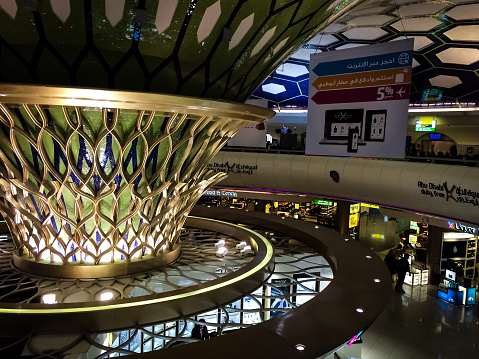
(106, 304)
(197, 264)
(300, 273)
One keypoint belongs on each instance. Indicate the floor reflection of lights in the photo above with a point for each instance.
(198, 264)
(300, 273)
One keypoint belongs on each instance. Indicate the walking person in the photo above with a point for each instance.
(390, 261)
(402, 267)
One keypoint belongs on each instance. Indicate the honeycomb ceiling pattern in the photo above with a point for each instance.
(220, 49)
(446, 54)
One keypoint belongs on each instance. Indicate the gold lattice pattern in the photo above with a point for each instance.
(98, 185)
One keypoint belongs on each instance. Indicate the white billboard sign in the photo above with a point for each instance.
(358, 101)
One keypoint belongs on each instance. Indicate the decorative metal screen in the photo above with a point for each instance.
(103, 185)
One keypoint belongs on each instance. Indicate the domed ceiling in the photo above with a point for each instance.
(220, 49)
(446, 53)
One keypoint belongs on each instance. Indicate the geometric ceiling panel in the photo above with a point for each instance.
(416, 24)
(275, 50)
(445, 33)
(295, 92)
(350, 46)
(61, 8)
(322, 39)
(292, 70)
(241, 31)
(421, 9)
(114, 11)
(211, 49)
(458, 55)
(10, 7)
(273, 88)
(211, 16)
(334, 28)
(264, 40)
(365, 33)
(374, 20)
(464, 12)
(445, 81)
(464, 33)
(304, 53)
(280, 46)
(164, 14)
(420, 42)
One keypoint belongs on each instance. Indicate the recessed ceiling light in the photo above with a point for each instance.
(300, 347)
(359, 310)
(377, 280)
(316, 226)
(346, 239)
(368, 257)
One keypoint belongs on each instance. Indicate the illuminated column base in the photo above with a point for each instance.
(47, 269)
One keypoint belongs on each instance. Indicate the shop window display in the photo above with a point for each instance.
(415, 242)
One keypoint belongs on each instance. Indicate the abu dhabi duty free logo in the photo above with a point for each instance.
(447, 192)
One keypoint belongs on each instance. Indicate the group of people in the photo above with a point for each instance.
(397, 261)
(200, 331)
(417, 152)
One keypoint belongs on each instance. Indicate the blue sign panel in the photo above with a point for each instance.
(450, 296)
(363, 64)
(471, 296)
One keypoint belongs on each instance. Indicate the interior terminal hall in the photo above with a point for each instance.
(239, 179)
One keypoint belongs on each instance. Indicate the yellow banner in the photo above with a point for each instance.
(353, 220)
(354, 208)
(369, 205)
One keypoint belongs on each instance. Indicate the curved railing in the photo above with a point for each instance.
(458, 160)
(349, 304)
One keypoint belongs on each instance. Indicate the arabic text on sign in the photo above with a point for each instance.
(365, 94)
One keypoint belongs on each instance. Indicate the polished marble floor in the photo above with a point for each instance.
(417, 325)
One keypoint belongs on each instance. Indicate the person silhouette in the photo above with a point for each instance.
(200, 331)
(402, 267)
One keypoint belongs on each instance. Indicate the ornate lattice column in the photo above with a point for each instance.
(94, 177)
(91, 178)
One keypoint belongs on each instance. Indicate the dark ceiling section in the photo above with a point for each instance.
(446, 54)
(209, 48)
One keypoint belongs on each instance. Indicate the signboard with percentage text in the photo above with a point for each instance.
(359, 101)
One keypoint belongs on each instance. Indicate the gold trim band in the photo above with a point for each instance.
(83, 271)
(127, 100)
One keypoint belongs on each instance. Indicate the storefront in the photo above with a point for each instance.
(321, 211)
